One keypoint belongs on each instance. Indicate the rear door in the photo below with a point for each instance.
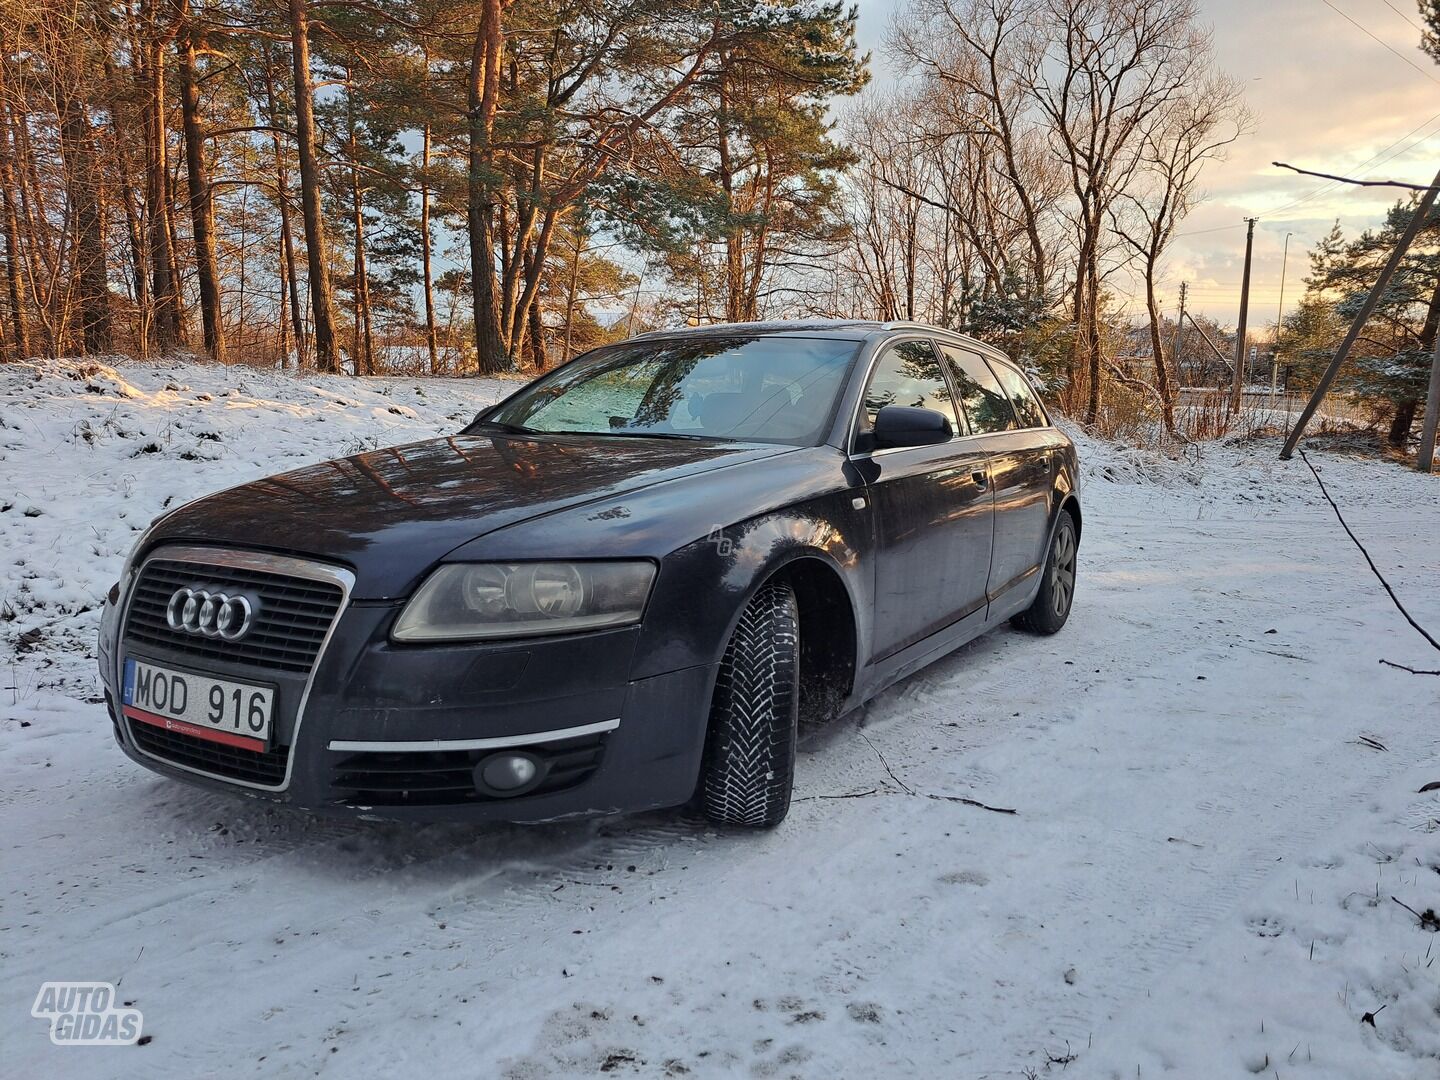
(1021, 445)
(931, 505)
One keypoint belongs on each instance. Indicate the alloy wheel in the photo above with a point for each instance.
(1063, 568)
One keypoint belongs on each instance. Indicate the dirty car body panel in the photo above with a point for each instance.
(920, 548)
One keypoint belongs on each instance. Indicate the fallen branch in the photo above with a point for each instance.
(971, 802)
(1351, 180)
(925, 794)
(899, 783)
(842, 795)
(1406, 667)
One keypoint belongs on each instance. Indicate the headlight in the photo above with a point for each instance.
(468, 601)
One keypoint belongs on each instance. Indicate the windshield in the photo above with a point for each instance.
(756, 389)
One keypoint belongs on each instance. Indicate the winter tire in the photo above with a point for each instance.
(1051, 607)
(750, 764)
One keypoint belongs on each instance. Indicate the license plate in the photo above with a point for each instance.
(236, 714)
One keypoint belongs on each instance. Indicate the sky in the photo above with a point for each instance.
(1325, 95)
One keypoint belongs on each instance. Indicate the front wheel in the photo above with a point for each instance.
(750, 765)
(1051, 607)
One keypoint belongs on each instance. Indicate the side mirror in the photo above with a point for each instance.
(901, 425)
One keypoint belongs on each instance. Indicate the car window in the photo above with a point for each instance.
(985, 404)
(765, 388)
(1027, 408)
(908, 373)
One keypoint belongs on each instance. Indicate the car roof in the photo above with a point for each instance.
(853, 328)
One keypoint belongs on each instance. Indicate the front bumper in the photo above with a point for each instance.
(393, 732)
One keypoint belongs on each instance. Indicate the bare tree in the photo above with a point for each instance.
(1190, 131)
(982, 60)
(1123, 63)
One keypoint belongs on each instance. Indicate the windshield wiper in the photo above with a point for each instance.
(509, 429)
(634, 434)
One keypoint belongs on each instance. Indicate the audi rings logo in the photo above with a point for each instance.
(216, 615)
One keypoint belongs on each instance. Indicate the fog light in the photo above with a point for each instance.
(508, 773)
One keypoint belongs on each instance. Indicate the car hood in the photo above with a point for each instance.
(390, 514)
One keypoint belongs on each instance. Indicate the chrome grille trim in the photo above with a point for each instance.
(381, 746)
(292, 618)
(256, 561)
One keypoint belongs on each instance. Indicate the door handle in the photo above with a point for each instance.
(981, 478)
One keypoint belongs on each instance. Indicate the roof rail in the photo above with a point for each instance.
(910, 324)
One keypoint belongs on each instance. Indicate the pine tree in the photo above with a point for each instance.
(1392, 357)
(757, 129)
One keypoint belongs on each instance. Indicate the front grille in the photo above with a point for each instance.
(293, 614)
(438, 777)
(266, 768)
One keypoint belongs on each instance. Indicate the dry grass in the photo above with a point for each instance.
(1130, 416)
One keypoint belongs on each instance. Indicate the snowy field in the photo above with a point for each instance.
(1216, 786)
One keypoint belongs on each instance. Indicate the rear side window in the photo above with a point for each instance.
(1027, 408)
(908, 374)
(984, 402)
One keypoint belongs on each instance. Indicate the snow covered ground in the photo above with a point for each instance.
(1216, 786)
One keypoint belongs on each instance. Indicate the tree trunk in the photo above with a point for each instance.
(536, 339)
(163, 288)
(134, 230)
(202, 206)
(431, 344)
(1157, 348)
(140, 279)
(282, 347)
(322, 301)
(364, 336)
(483, 100)
(82, 192)
(18, 330)
(364, 351)
(1400, 424)
(725, 173)
(1091, 334)
(573, 288)
(172, 184)
(38, 260)
(287, 233)
(287, 242)
(1404, 418)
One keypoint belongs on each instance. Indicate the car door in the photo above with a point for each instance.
(931, 504)
(1020, 442)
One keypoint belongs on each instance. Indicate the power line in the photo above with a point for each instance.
(1402, 15)
(1217, 228)
(1380, 42)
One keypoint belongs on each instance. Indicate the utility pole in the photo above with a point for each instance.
(1179, 334)
(1244, 313)
(1279, 321)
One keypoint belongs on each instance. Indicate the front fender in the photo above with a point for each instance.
(704, 586)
